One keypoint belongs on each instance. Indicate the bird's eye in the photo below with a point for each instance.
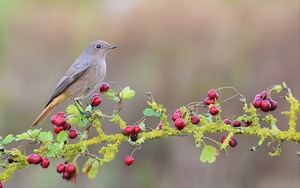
(98, 46)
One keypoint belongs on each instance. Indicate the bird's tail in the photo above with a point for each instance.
(48, 109)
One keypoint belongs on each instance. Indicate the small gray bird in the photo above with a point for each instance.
(83, 77)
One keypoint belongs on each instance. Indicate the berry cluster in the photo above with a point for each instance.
(212, 96)
(232, 141)
(60, 124)
(132, 131)
(67, 171)
(237, 123)
(179, 123)
(96, 99)
(129, 160)
(264, 102)
(37, 159)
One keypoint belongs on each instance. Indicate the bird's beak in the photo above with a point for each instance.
(112, 47)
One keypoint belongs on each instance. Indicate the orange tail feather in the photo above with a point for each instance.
(57, 100)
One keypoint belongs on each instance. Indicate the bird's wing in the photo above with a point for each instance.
(72, 75)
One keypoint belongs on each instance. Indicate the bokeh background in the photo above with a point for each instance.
(178, 50)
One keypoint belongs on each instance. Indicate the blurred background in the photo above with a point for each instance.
(178, 50)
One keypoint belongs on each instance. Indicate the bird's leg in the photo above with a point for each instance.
(80, 108)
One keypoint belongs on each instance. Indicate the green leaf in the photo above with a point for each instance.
(142, 125)
(111, 95)
(148, 112)
(83, 121)
(127, 93)
(62, 136)
(88, 108)
(33, 133)
(54, 148)
(208, 154)
(72, 109)
(73, 119)
(23, 136)
(94, 170)
(45, 136)
(8, 139)
(277, 88)
(157, 114)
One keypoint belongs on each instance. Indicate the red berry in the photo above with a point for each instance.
(128, 130)
(227, 121)
(179, 123)
(213, 110)
(36, 159)
(60, 114)
(137, 129)
(263, 95)
(232, 142)
(60, 121)
(175, 116)
(66, 126)
(95, 95)
(248, 123)
(133, 137)
(236, 123)
(273, 105)
(53, 119)
(265, 106)
(30, 158)
(10, 160)
(73, 133)
(1, 184)
(209, 101)
(212, 94)
(129, 160)
(257, 102)
(57, 129)
(67, 176)
(61, 168)
(159, 126)
(223, 139)
(96, 101)
(45, 163)
(104, 87)
(70, 168)
(195, 120)
(178, 111)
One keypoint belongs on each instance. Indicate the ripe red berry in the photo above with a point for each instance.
(95, 95)
(248, 123)
(209, 101)
(179, 123)
(273, 105)
(236, 123)
(57, 129)
(227, 121)
(67, 176)
(178, 111)
(129, 160)
(175, 116)
(213, 110)
(128, 130)
(36, 159)
(257, 102)
(223, 139)
(263, 95)
(133, 137)
(70, 168)
(1, 184)
(159, 126)
(66, 126)
(60, 121)
(73, 133)
(232, 142)
(60, 114)
(195, 120)
(213, 94)
(61, 168)
(30, 158)
(45, 163)
(104, 87)
(10, 160)
(53, 119)
(96, 101)
(265, 106)
(137, 129)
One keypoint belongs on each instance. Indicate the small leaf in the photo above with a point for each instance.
(142, 125)
(45, 136)
(157, 114)
(148, 112)
(127, 93)
(94, 170)
(62, 136)
(33, 133)
(23, 136)
(277, 88)
(54, 148)
(8, 139)
(111, 95)
(83, 121)
(73, 119)
(88, 108)
(72, 109)
(87, 166)
(208, 154)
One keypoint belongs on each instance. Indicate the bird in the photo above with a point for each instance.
(83, 77)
